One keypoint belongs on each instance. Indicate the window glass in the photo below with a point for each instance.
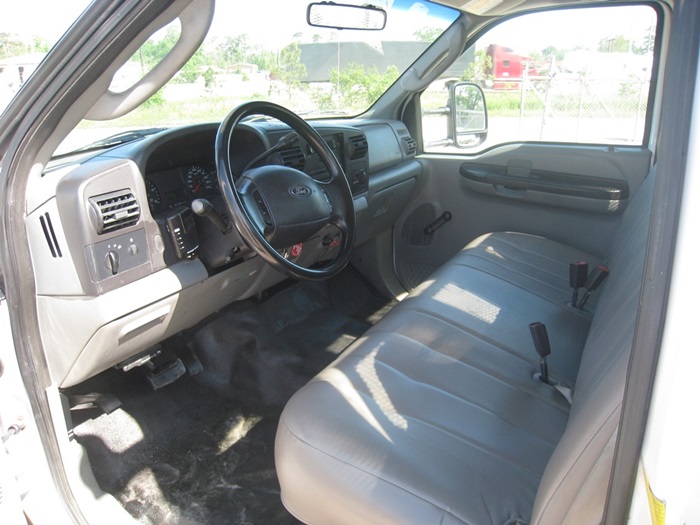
(28, 29)
(575, 76)
(249, 55)
(253, 51)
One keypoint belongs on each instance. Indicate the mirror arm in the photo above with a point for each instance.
(444, 110)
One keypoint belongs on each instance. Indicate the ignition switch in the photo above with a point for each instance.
(330, 241)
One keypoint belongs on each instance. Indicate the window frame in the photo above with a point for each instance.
(651, 102)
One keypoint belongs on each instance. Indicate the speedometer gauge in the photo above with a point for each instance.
(200, 179)
(154, 199)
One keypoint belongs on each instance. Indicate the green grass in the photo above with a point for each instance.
(165, 113)
(507, 103)
(174, 113)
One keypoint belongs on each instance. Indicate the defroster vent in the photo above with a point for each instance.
(115, 211)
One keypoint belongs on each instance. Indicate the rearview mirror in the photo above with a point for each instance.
(345, 16)
(468, 115)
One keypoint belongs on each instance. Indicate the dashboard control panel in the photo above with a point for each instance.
(117, 255)
(183, 232)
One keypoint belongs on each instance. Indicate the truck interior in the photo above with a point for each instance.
(438, 308)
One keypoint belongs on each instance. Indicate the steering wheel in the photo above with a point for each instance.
(275, 207)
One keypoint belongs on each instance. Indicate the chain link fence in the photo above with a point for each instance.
(561, 108)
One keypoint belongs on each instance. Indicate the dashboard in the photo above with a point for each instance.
(170, 186)
(180, 170)
(120, 245)
(178, 186)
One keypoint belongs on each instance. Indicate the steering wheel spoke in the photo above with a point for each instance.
(257, 211)
(278, 207)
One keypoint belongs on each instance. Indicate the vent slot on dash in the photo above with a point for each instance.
(115, 211)
(293, 158)
(358, 147)
(50, 235)
(409, 144)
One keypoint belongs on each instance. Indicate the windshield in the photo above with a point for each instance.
(263, 51)
(25, 38)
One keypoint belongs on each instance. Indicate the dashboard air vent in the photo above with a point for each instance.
(358, 147)
(115, 211)
(293, 158)
(409, 146)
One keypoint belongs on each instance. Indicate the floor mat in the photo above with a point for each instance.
(200, 451)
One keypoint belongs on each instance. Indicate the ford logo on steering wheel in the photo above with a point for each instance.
(300, 191)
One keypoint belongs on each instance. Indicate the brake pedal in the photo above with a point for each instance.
(166, 373)
(191, 361)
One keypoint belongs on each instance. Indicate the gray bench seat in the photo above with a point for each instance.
(436, 416)
(499, 312)
(536, 264)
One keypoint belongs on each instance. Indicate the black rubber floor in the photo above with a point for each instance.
(200, 451)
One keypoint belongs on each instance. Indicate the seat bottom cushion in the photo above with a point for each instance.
(496, 287)
(400, 431)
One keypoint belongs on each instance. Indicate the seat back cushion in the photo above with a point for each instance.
(595, 412)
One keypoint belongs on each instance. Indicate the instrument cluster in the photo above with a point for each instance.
(174, 187)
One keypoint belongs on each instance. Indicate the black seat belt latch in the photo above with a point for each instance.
(541, 340)
(595, 279)
(578, 272)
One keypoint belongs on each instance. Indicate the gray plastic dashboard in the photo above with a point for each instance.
(104, 250)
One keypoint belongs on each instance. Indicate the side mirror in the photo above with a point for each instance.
(346, 16)
(469, 121)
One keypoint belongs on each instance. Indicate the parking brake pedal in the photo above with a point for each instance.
(166, 373)
(108, 403)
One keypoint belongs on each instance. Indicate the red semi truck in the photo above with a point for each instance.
(506, 64)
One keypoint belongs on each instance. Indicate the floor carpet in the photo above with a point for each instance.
(200, 450)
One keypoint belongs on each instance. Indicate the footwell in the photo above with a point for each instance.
(201, 450)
